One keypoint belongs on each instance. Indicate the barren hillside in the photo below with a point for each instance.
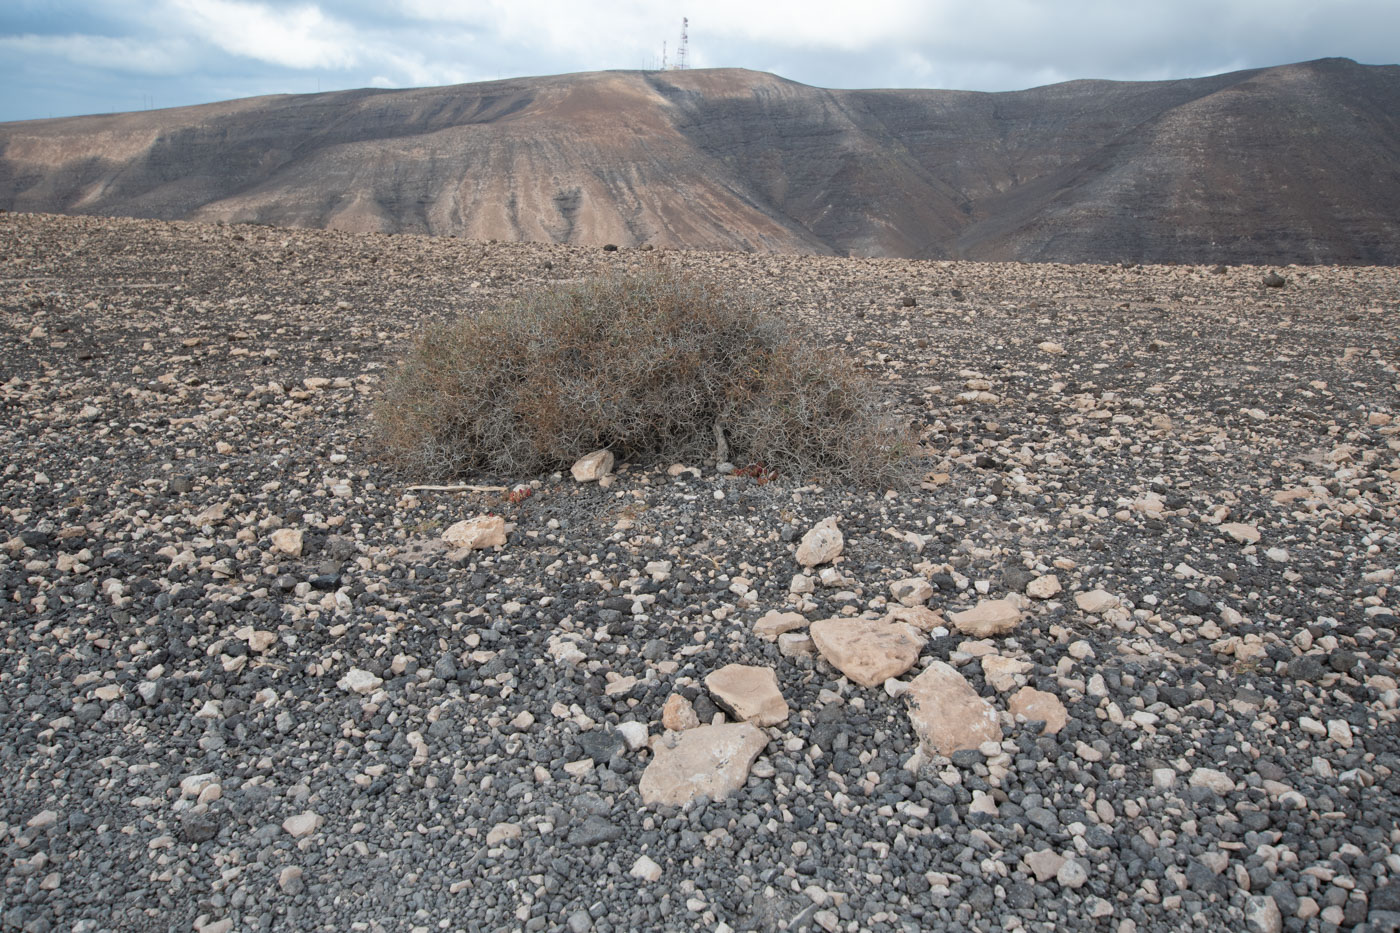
(1299, 163)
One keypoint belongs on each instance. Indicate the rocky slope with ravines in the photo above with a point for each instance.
(1298, 163)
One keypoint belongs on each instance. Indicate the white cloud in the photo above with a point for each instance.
(125, 54)
(298, 37)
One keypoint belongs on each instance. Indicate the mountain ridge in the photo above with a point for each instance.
(1295, 163)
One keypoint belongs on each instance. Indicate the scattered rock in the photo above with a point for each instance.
(1096, 602)
(678, 714)
(303, 824)
(645, 869)
(1244, 534)
(773, 624)
(709, 760)
(1217, 782)
(947, 713)
(749, 693)
(1045, 587)
(1037, 705)
(914, 591)
(989, 617)
(868, 652)
(821, 545)
(288, 541)
(360, 681)
(592, 467)
(481, 532)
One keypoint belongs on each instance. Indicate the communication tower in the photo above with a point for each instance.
(681, 64)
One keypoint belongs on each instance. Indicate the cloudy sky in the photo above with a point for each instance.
(64, 57)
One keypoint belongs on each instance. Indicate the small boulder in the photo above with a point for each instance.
(287, 541)
(915, 591)
(750, 693)
(594, 466)
(1031, 705)
(1095, 602)
(989, 617)
(1001, 672)
(921, 617)
(947, 713)
(360, 681)
(677, 714)
(775, 623)
(303, 824)
(1044, 587)
(1244, 534)
(481, 532)
(821, 545)
(869, 652)
(709, 760)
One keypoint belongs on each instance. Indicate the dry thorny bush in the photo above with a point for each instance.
(651, 365)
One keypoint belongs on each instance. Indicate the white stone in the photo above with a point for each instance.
(947, 714)
(913, 591)
(749, 692)
(1044, 587)
(821, 545)
(1261, 915)
(288, 541)
(593, 466)
(989, 617)
(709, 760)
(645, 869)
(1096, 601)
(194, 784)
(503, 832)
(775, 623)
(867, 651)
(1072, 874)
(360, 681)
(1030, 704)
(302, 824)
(1217, 782)
(633, 733)
(1244, 534)
(1045, 864)
(1339, 731)
(480, 532)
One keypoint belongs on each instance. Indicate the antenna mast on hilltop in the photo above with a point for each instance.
(685, 41)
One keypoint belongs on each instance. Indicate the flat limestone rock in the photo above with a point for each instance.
(988, 617)
(480, 532)
(1001, 672)
(921, 617)
(1043, 587)
(709, 760)
(867, 651)
(775, 623)
(822, 544)
(1096, 601)
(749, 692)
(594, 466)
(1031, 704)
(288, 541)
(1244, 534)
(947, 713)
(915, 591)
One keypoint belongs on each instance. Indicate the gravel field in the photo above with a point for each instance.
(1125, 658)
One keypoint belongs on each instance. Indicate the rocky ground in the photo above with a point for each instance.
(1126, 659)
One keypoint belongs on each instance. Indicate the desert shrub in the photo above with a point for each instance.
(646, 365)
